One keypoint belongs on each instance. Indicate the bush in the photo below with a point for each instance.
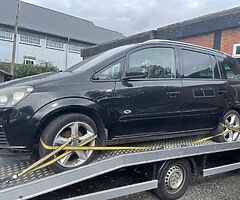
(29, 70)
(5, 66)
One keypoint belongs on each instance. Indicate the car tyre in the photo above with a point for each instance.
(174, 179)
(57, 133)
(232, 119)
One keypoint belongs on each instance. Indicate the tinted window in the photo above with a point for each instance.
(230, 67)
(199, 65)
(238, 50)
(159, 62)
(238, 59)
(112, 72)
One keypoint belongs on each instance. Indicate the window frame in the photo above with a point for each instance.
(202, 51)
(29, 43)
(9, 33)
(29, 59)
(234, 53)
(176, 56)
(218, 67)
(75, 51)
(52, 47)
(120, 60)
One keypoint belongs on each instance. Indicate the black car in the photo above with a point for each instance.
(152, 90)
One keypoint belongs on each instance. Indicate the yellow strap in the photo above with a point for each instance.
(108, 148)
(211, 137)
(34, 165)
(230, 128)
(69, 149)
(45, 158)
(51, 161)
(214, 136)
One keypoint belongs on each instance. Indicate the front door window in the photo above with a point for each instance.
(159, 62)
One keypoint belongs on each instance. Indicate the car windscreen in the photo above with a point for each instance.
(90, 62)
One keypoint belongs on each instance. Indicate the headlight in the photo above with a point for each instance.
(12, 95)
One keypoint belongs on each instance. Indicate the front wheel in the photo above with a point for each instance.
(174, 179)
(60, 130)
(230, 119)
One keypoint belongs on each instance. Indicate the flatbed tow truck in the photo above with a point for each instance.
(161, 153)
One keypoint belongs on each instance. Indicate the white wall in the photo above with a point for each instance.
(41, 53)
(5, 51)
(55, 57)
(73, 58)
(29, 51)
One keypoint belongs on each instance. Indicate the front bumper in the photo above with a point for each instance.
(15, 132)
(3, 139)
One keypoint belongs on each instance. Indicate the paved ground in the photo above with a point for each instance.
(221, 187)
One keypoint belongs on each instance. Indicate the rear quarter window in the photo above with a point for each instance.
(230, 68)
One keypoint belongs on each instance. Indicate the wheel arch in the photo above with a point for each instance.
(66, 106)
(160, 166)
(233, 107)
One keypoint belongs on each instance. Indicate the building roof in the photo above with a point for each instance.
(204, 24)
(213, 22)
(206, 17)
(51, 22)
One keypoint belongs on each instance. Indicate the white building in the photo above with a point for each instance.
(47, 36)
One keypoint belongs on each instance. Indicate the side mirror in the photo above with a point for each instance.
(136, 72)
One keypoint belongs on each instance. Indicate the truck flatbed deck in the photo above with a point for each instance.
(45, 180)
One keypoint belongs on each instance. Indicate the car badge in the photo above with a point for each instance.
(127, 112)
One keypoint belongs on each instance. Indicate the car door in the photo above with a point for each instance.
(230, 71)
(203, 89)
(149, 106)
(102, 92)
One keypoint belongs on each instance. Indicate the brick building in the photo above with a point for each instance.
(220, 30)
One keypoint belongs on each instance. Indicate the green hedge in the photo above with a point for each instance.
(29, 70)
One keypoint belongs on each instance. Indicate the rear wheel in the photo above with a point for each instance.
(174, 179)
(60, 130)
(231, 119)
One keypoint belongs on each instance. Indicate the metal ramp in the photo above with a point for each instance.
(44, 181)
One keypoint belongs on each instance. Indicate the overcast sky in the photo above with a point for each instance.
(134, 16)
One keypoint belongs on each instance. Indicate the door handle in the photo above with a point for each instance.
(173, 94)
(222, 92)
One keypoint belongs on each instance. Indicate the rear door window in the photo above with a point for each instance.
(199, 65)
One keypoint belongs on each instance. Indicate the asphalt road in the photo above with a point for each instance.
(219, 187)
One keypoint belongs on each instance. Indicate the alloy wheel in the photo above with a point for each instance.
(83, 131)
(232, 121)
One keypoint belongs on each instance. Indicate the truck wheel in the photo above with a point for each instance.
(60, 130)
(231, 119)
(174, 179)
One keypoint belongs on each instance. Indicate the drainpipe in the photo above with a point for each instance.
(66, 54)
(15, 38)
